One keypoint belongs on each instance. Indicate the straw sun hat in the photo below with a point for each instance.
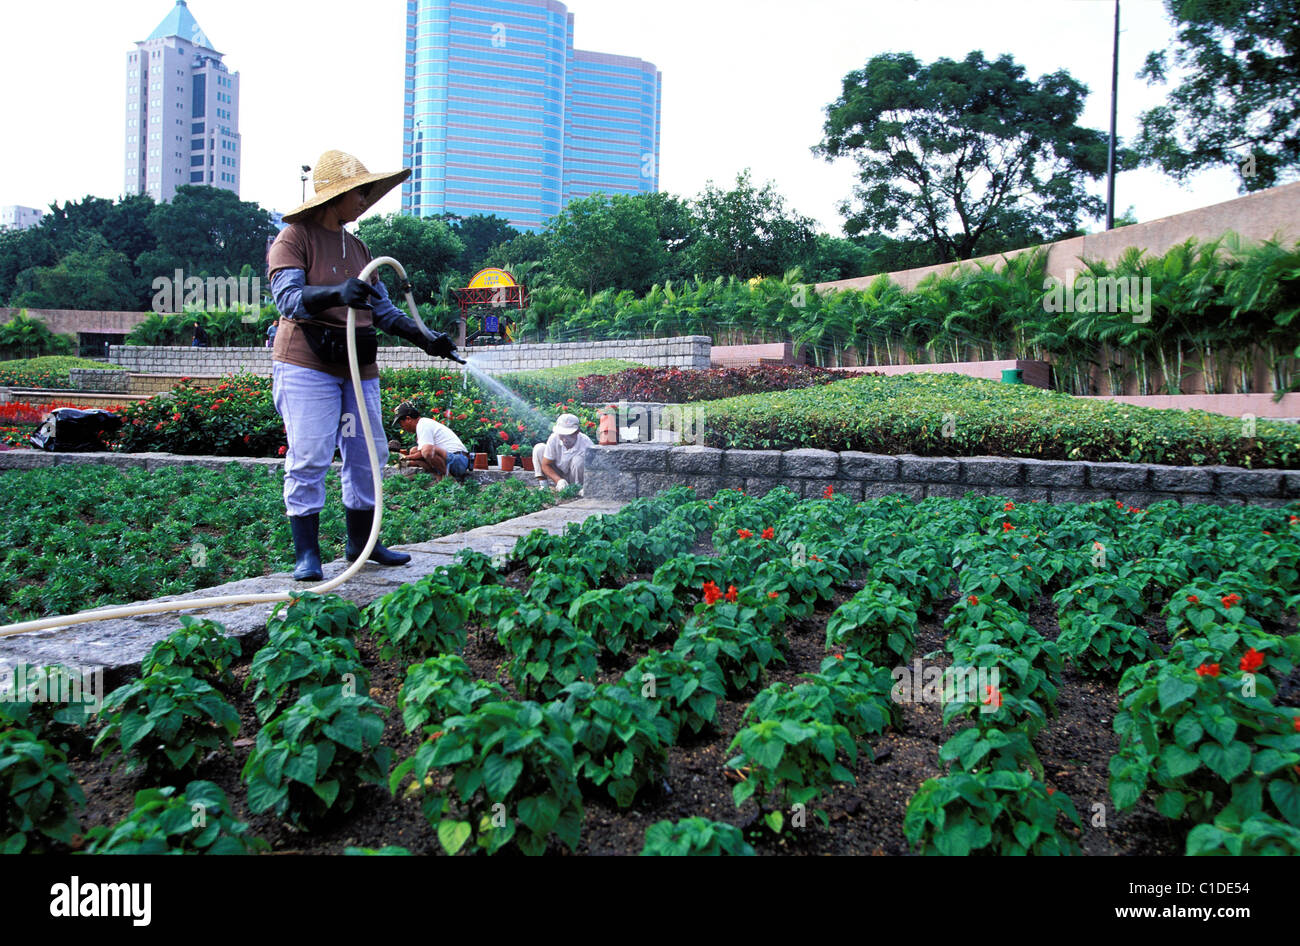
(336, 173)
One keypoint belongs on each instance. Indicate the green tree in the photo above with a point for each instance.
(1236, 102)
(964, 155)
(26, 337)
(602, 242)
(424, 246)
(747, 232)
(22, 250)
(480, 233)
(206, 231)
(678, 230)
(94, 276)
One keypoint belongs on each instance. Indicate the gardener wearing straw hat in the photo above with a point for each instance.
(563, 457)
(313, 266)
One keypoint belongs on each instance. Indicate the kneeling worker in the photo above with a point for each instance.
(563, 457)
(438, 450)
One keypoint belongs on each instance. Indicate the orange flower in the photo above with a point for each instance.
(711, 592)
(1193, 599)
(1007, 527)
(1230, 600)
(972, 601)
(1207, 670)
(828, 492)
(993, 697)
(768, 533)
(731, 593)
(839, 656)
(744, 533)
(773, 594)
(1008, 507)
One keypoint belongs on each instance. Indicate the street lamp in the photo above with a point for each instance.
(305, 170)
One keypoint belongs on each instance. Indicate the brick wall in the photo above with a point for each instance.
(626, 471)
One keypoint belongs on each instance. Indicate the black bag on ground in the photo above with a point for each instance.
(69, 430)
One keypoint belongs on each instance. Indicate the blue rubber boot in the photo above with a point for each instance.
(306, 547)
(360, 521)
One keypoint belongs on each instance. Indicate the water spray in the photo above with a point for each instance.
(189, 604)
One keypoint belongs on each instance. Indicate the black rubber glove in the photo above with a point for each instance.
(440, 346)
(353, 293)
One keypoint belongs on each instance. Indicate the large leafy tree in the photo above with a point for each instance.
(206, 231)
(92, 276)
(479, 233)
(602, 242)
(424, 246)
(747, 232)
(1236, 102)
(964, 155)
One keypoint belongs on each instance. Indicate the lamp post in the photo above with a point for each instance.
(1114, 109)
(305, 170)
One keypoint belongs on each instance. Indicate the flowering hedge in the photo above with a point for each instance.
(232, 418)
(675, 386)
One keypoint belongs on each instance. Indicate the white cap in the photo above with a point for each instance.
(566, 424)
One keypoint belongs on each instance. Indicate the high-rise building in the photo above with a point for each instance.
(182, 111)
(503, 116)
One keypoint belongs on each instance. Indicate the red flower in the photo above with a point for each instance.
(1296, 723)
(1118, 504)
(477, 401)
(1051, 791)
(1008, 507)
(176, 417)
(504, 435)
(731, 593)
(1294, 519)
(768, 533)
(245, 438)
(1193, 599)
(1007, 527)
(993, 698)
(773, 594)
(711, 592)
(157, 426)
(744, 533)
(1230, 600)
(1252, 661)
(1207, 670)
(1266, 532)
(972, 601)
(828, 492)
(281, 451)
(815, 558)
(437, 392)
(838, 656)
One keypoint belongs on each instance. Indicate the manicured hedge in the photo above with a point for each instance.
(675, 386)
(950, 415)
(48, 372)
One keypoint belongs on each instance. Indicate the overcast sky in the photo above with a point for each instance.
(745, 84)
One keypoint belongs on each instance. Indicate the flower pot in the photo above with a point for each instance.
(507, 462)
(480, 461)
(528, 463)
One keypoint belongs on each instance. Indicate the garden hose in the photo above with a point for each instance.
(187, 604)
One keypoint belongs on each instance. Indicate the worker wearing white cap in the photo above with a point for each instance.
(562, 459)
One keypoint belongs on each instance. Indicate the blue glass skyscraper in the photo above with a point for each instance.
(503, 116)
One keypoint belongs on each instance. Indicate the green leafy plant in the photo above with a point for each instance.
(164, 821)
(620, 741)
(311, 759)
(695, 837)
(996, 812)
(547, 653)
(441, 687)
(52, 701)
(788, 752)
(201, 646)
(41, 795)
(685, 691)
(322, 615)
(295, 661)
(166, 722)
(513, 779)
(419, 618)
(878, 622)
(639, 611)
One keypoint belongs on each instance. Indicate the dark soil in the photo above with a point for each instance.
(866, 818)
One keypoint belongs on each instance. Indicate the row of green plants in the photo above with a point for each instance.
(50, 371)
(952, 415)
(502, 767)
(1215, 307)
(73, 538)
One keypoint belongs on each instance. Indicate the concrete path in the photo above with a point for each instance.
(119, 645)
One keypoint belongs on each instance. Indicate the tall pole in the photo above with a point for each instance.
(1114, 109)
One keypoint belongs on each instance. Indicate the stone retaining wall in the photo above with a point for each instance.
(626, 471)
(109, 380)
(690, 351)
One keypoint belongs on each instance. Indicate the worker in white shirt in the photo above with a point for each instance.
(438, 450)
(562, 459)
